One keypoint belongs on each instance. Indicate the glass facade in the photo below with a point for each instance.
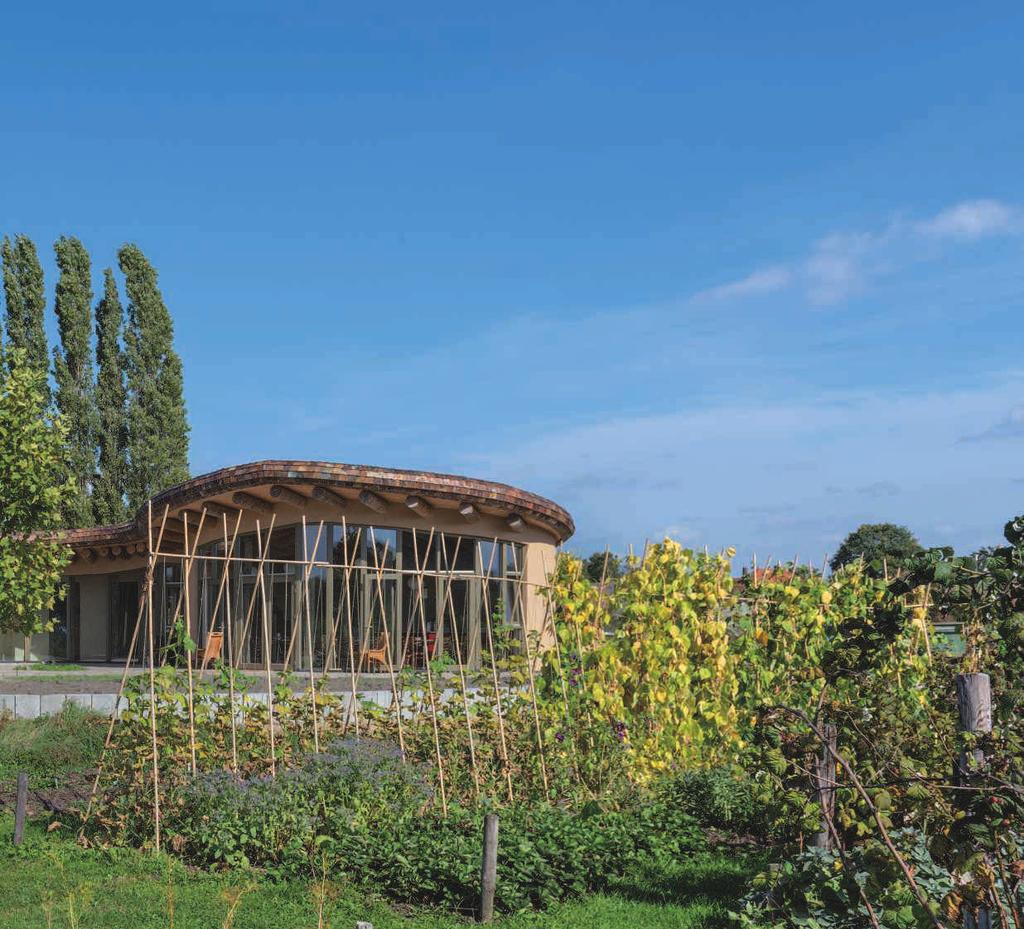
(378, 597)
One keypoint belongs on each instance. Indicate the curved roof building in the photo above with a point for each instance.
(335, 565)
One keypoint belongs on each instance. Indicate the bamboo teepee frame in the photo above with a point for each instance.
(236, 597)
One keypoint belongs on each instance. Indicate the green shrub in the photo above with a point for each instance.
(718, 798)
(359, 814)
(817, 888)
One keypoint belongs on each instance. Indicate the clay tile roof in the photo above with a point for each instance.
(428, 484)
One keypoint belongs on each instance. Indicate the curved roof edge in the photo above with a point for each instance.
(335, 476)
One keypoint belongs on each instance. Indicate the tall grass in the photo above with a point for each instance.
(49, 746)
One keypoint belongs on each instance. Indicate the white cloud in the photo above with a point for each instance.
(842, 264)
(879, 456)
(835, 270)
(766, 281)
(970, 220)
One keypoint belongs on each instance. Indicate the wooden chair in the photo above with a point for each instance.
(378, 654)
(211, 652)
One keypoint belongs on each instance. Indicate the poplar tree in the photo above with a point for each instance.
(72, 369)
(108, 495)
(157, 423)
(25, 301)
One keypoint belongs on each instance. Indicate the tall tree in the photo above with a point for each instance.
(25, 301)
(157, 422)
(108, 495)
(883, 546)
(33, 491)
(72, 368)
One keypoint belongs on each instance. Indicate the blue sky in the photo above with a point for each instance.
(745, 274)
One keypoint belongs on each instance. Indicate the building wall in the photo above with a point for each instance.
(96, 577)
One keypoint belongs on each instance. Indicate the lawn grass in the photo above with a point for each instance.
(50, 881)
(50, 666)
(51, 746)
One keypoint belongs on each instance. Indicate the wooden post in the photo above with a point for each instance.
(19, 809)
(489, 869)
(974, 703)
(825, 785)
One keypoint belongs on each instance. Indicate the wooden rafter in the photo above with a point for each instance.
(372, 502)
(326, 495)
(249, 501)
(287, 495)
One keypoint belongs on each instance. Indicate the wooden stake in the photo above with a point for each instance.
(20, 808)
(489, 868)
(824, 777)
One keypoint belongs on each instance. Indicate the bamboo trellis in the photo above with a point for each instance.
(220, 610)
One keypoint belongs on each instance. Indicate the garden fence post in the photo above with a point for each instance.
(824, 772)
(974, 703)
(19, 809)
(489, 870)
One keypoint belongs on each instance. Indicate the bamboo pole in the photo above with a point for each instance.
(446, 603)
(409, 572)
(307, 570)
(387, 638)
(257, 586)
(353, 669)
(186, 585)
(223, 586)
(228, 624)
(124, 679)
(309, 632)
(530, 671)
(426, 662)
(263, 549)
(494, 672)
(152, 678)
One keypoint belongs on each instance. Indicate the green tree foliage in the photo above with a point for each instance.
(602, 566)
(72, 368)
(881, 545)
(33, 492)
(25, 302)
(157, 423)
(108, 496)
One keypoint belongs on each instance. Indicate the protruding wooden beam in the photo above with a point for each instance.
(192, 517)
(124, 553)
(468, 512)
(418, 505)
(90, 555)
(514, 521)
(110, 553)
(326, 495)
(289, 496)
(250, 502)
(218, 510)
(372, 502)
